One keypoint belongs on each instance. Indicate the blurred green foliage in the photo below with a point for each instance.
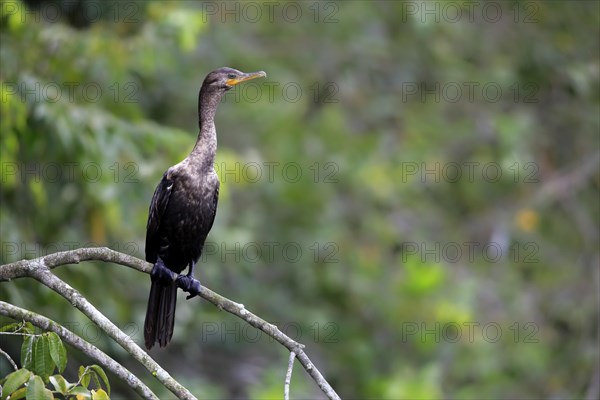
(412, 192)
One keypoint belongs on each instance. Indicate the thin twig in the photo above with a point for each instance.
(30, 268)
(20, 334)
(10, 360)
(288, 376)
(17, 313)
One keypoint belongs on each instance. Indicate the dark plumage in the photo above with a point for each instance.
(182, 212)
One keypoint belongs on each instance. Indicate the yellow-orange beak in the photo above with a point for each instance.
(246, 77)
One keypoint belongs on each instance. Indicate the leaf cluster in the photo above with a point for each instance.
(42, 355)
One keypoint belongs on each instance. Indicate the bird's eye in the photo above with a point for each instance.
(231, 76)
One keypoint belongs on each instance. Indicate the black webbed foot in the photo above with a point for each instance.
(190, 285)
(160, 273)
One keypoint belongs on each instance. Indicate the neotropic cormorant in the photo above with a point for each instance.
(182, 212)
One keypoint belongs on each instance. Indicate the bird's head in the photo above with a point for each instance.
(225, 78)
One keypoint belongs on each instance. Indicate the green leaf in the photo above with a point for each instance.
(100, 372)
(36, 389)
(19, 394)
(60, 384)
(27, 352)
(57, 351)
(94, 378)
(80, 392)
(28, 328)
(11, 327)
(14, 381)
(43, 364)
(99, 395)
(84, 376)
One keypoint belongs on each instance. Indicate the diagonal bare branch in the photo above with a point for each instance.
(39, 269)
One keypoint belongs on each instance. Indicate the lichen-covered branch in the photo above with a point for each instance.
(20, 314)
(39, 269)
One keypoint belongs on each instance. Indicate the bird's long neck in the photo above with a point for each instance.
(205, 149)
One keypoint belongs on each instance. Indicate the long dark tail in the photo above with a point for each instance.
(160, 315)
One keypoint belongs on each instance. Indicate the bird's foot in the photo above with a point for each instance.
(190, 285)
(160, 273)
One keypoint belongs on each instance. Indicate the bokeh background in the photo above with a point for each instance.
(412, 192)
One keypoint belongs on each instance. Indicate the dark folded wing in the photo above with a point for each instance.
(213, 212)
(160, 202)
